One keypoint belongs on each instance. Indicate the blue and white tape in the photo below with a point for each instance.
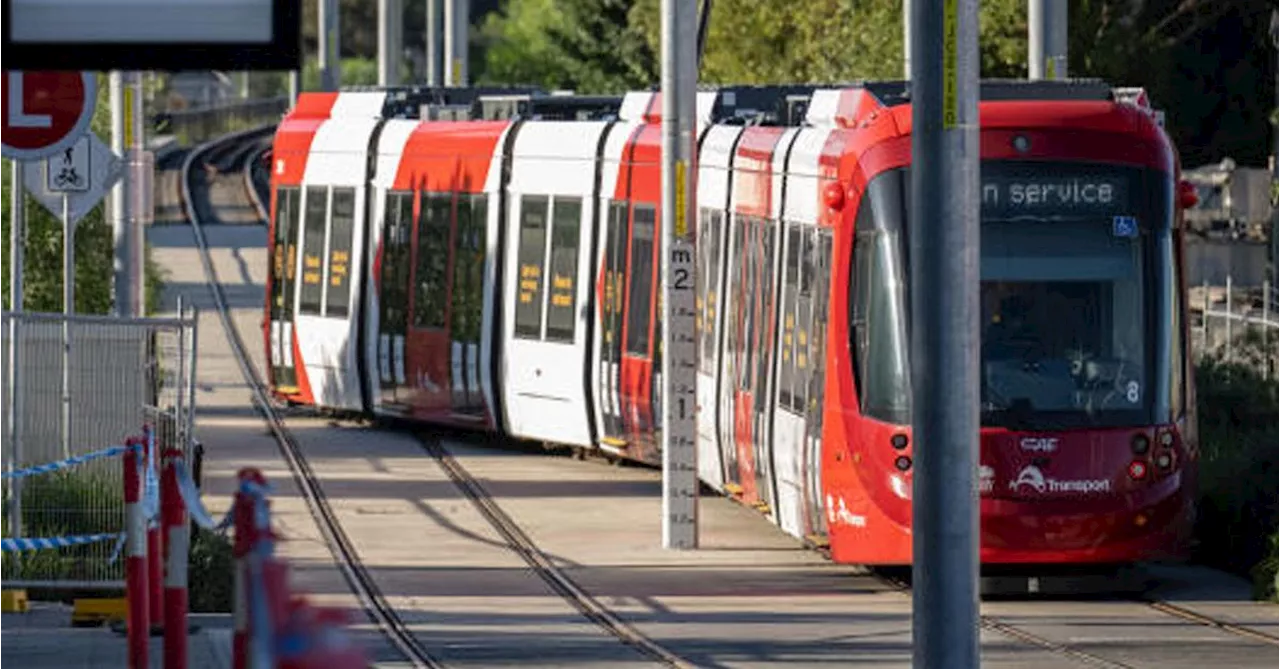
(47, 543)
(69, 462)
(191, 498)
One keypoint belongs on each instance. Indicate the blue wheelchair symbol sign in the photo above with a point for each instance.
(1124, 226)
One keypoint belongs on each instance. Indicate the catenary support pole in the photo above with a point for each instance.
(432, 39)
(1037, 29)
(944, 333)
(389, 27)
(329, 48)
(120, 228)
(139, 209)
(1047, 39)
(1056, 58)
(17, 253)
(679, 344)
(906, 39)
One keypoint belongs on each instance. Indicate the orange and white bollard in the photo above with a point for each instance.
(177, 543)
(245, 539)
(136, 599)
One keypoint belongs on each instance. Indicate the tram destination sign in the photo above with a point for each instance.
(1010, 196)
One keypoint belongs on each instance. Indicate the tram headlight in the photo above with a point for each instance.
(1140, 444)
(902, 462)
(1164, 461)
(1166, 439)
(898, 441)
(1137, 470)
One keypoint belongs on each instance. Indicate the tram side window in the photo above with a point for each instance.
(431, 283)
(708, 293)
(397, 224)
(562, 298)
(638, 306)
(530, 257)
(338, 297)
(313, 251)
(468, 267)
(879, 329)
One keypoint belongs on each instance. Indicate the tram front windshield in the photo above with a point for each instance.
(1063, 306)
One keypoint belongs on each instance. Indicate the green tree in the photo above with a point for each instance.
(42, 279)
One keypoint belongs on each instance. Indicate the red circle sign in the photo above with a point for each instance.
(45, 112)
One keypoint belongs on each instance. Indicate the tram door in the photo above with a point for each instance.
(284, 267)
(393, 299)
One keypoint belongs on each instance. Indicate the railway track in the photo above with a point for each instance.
(238, 152)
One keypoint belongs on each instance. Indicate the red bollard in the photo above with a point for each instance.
(155, 549)
(173, 512)
(246, 538)
(136, 558)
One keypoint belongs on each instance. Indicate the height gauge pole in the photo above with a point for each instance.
(944, 337)
(679, 341)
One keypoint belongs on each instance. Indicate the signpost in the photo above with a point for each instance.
(44, 113)
(679, 342)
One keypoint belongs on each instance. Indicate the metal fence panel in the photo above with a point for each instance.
(62, 401)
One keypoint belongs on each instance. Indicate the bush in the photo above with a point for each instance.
(1265, 582)
(210, 587)
(1237, 405)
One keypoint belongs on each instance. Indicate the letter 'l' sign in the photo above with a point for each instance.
(18, 116)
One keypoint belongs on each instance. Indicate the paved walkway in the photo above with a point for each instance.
(44, 638)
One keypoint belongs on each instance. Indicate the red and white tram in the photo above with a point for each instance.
(501, 274)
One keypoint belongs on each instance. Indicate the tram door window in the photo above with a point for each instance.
(766, 324)
(562, 268)
(468, 298)
(283, 274)
(431, 299)
(820, 264)
(530, 256)
(338, 295)
(788, 368)
(736, 303)
(311, 296)
(612, 312)
(708, 273)
(640, 303)
(393, 300)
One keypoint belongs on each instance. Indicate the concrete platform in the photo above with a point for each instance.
(44, 638)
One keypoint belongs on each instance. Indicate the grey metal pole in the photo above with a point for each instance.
(450, 31)
(294, 87)
(17, 251)
(140, 182)
(327, 36)
(463, 75)
(1266, 326)
(389, 26)
(68, 308)
(1230, 313)
(1056, 58)
(1037, 29)
(679, 359)
(432, 39)
(906, 39)
(120, 228)
(1204, 319)
(944, 336)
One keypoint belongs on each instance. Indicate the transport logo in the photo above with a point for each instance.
(1039, 444)
(1032, 477)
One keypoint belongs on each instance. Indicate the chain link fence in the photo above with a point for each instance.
(75, 385)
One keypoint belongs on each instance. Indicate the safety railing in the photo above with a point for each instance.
(191, 127)
(1237, 324)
